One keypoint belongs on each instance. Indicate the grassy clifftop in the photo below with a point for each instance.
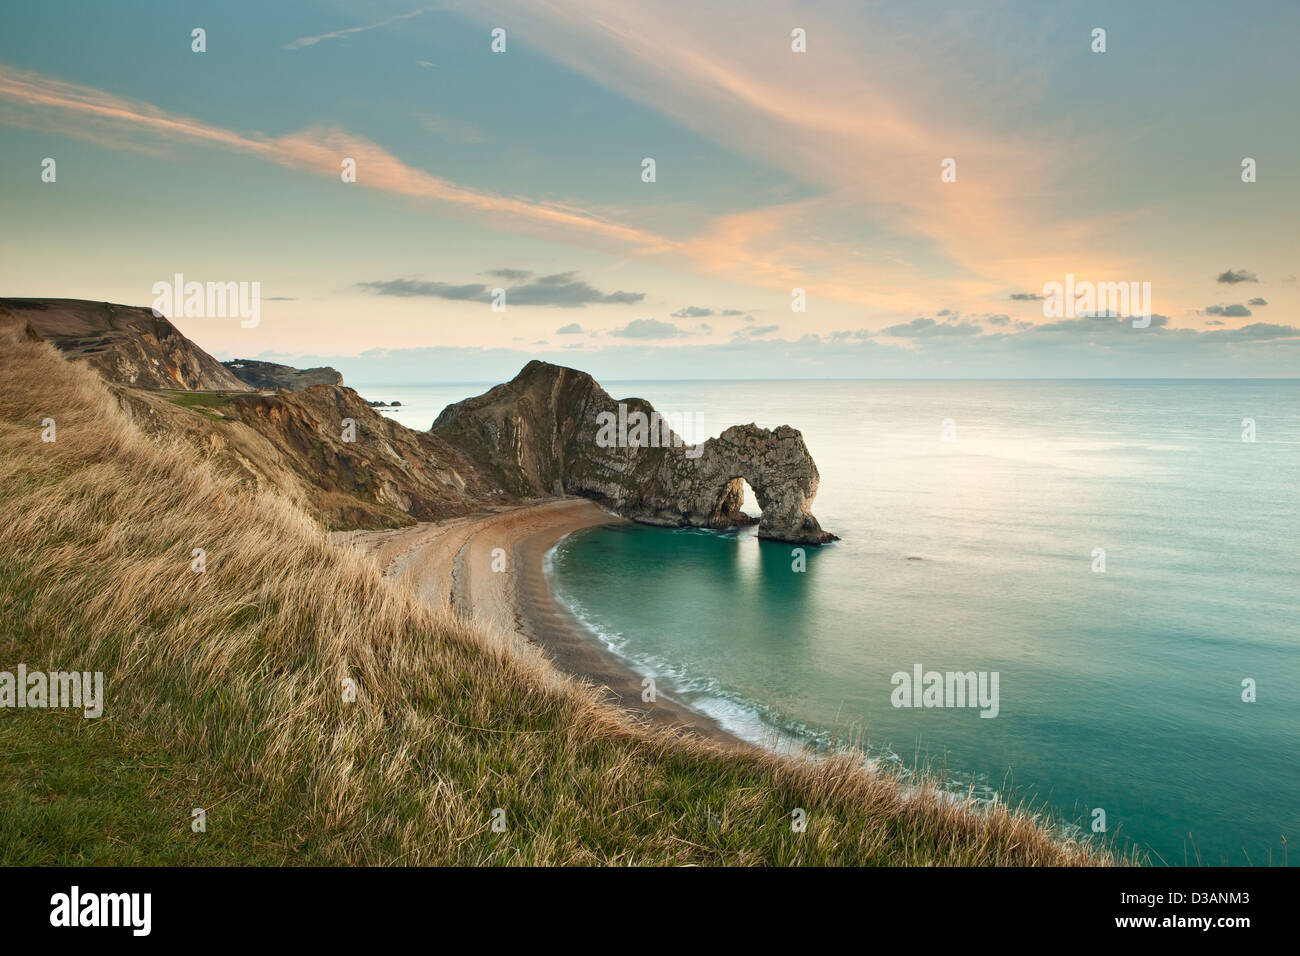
(224, 692)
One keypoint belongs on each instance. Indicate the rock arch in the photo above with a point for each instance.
(553, 430)
(707, 491)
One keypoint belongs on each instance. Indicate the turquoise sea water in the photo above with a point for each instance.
(1120, 690)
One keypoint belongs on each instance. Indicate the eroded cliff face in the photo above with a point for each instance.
(127, 345)
(326, 448)
(553, 430)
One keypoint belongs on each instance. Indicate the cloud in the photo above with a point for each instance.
(510, 275)
(301, 42)
(1092, 325)
(730, 312)
(1232, 277)
(573, 328)
(692, 312)
(852, 134)
(1117, 332)
(1215, 322)
(1025, 296)
(1228, 311)
(118, 122)
(1099, 347)
(648, 329)
(1260, 332)
(564, 291)
(756, 331)
(1257, 301)
(561, 290)
(998, 319)
(410, 288)
(925, 328)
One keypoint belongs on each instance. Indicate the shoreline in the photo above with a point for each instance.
(448, 565)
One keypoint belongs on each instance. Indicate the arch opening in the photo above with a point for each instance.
(737, 505)
(749, 501)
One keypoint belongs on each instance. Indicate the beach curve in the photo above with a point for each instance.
(448, 565)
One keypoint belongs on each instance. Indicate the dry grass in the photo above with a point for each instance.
(224, 692)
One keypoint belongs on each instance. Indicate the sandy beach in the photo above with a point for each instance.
(448, 564)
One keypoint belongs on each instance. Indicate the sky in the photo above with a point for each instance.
(921, 171)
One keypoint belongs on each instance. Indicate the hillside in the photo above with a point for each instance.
(126, 344)
(225, 692)
(372, 473)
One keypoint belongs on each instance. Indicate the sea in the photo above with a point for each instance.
(1122, 557)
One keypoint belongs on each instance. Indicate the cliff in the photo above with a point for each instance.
(549, 431)
(268, 375)
(127, 345)
(374, 473)
(553, 430)
(325, 448)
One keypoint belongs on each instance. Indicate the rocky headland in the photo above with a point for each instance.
(270, 375)
(548, 432)
(553, 430)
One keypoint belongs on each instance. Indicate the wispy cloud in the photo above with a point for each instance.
(414, 289)
(117, 121)
(920, 328)
(563, 290)
(510, 275)
(857, 131)
(301, 42)
(648, 329)
(756, 331)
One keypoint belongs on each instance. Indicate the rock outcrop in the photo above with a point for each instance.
(554, 430)
(267, 375)
(128, 345)
(708, 491)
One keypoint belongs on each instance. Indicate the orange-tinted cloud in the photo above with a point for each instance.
(110, 119)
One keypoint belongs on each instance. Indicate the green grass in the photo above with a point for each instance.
(201, 402)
